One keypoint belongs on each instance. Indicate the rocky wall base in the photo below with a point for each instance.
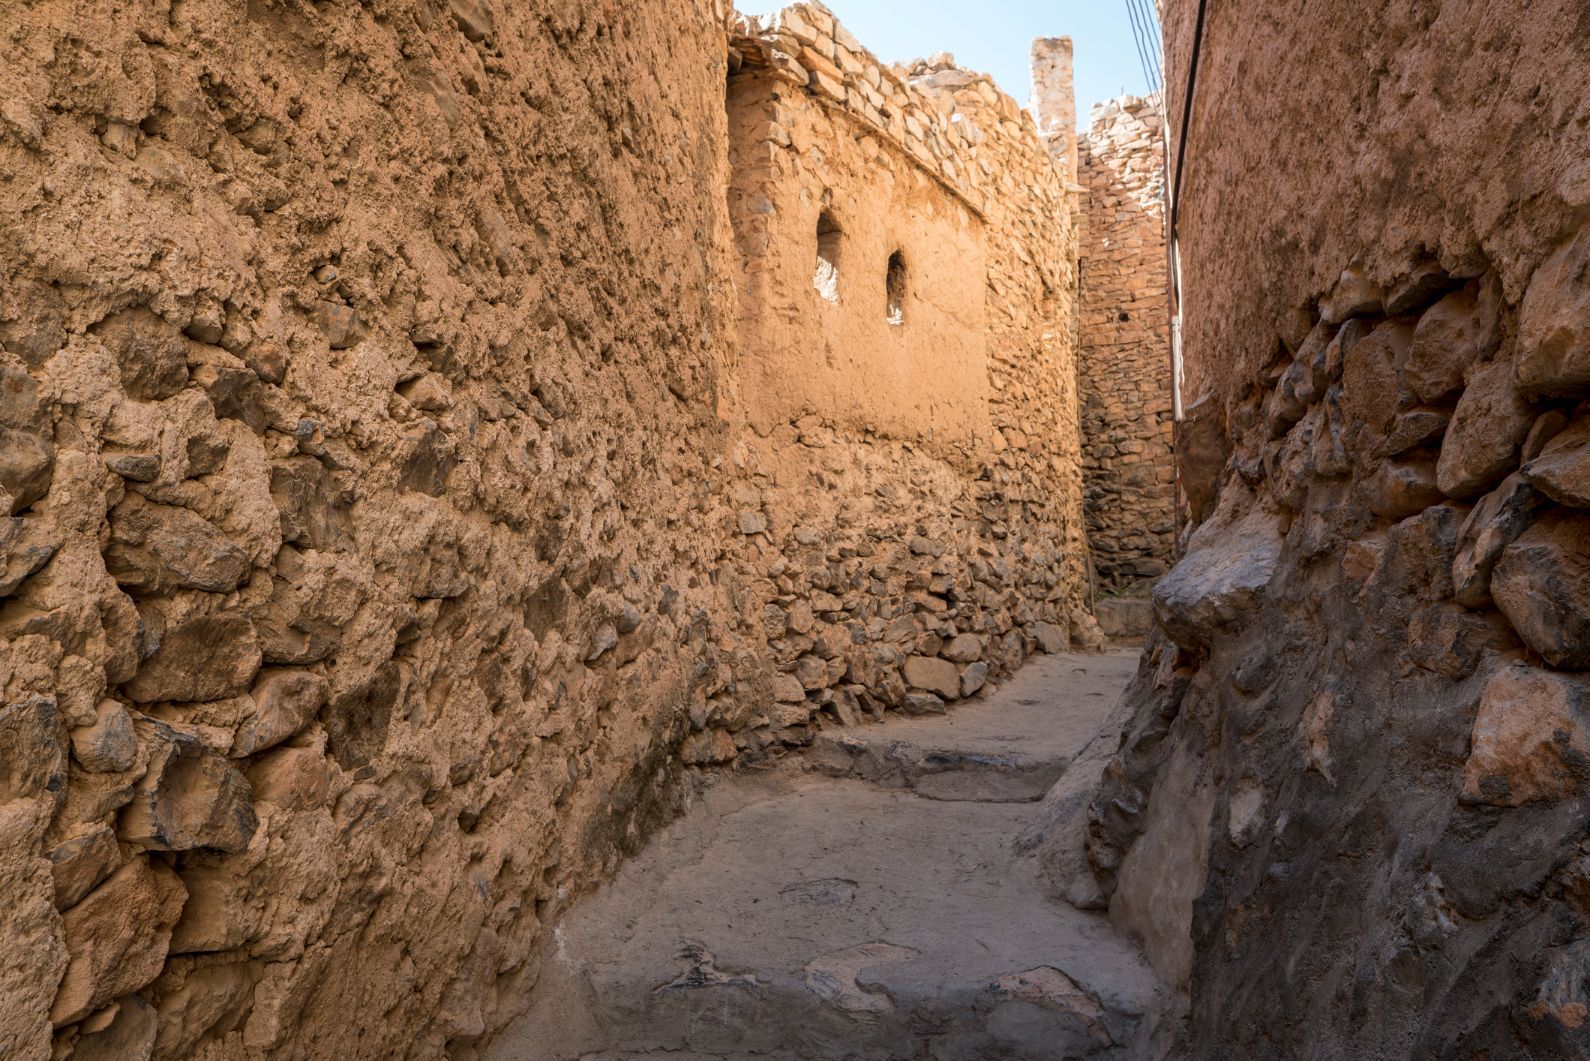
(1354, 782)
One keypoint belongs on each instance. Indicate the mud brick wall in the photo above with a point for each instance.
(391, 530)
(908, 494)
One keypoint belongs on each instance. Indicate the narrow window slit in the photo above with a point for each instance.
(895, 287)
(826, 278)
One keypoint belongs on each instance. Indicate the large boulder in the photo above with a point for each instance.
(1486, 434)
(1220, 584)
(1462, 329)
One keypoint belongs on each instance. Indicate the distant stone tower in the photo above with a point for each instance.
(1054, 101)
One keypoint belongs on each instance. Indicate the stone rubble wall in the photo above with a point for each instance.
(385, 539)
(1354, 783)
(890, 564)
(1124, 371)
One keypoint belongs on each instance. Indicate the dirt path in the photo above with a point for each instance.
(863, 901)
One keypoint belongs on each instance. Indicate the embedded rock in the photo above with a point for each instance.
(933, 675)
(108, 746)
(150, 353)
(116, 938)
(1221, 582)
(128, 1036)
(1531, 738)
(284, 702)
(1494, 524)
(1486, 433)
(189, 797)
(1542, 584)
(79, 864)
(1562, 470)
(1554, 322)
(1461, 330)
(209, 657)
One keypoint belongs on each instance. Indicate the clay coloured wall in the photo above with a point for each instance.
(394, 521)
(1124, 371)
(1353, 786)
(359, 372)
(909, 495)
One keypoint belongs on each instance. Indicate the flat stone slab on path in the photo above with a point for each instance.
(796, 914)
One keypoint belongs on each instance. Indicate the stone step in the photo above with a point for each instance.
(794, 914)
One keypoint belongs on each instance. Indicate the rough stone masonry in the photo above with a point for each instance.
(1348, 816)
(424, 447)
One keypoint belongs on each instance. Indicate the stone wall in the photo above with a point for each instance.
(359, 392)
(1124, 371)
(909, 495)
(1348, 816)
(392, 525)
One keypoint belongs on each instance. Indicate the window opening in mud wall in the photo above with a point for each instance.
(826, 278)
(894, 285)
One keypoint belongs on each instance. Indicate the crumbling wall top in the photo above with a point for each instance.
(939, 114)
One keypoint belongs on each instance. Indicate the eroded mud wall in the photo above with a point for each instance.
(387, 537)
(1349, 814)
(358, 386)
(909, 489)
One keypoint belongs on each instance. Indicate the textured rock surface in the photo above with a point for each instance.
(1348, 819)
(395, 517)
(1123, 366)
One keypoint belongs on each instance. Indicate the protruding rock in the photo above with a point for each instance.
(129, 1034)
(27, 467)
(1542, 585)
(208, 657)
(1496, 522)
(1562, 471)
(159, 548)
(1461, 330)
(117, 938)
(973, 678)
(1529, 741)
(79, 864)
(1486, 433)
(284, 701)
(292, 778)
(150, 351)
(1353, 296)
(933, 675)
(964, 648)
(1221, 581)
(109, 746)
(189, 797)
(1399, 489)
(1554, 322)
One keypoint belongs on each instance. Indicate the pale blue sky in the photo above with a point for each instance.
(995, 36)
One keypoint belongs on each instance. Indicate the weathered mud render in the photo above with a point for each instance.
(438, 438)
(418, 470)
